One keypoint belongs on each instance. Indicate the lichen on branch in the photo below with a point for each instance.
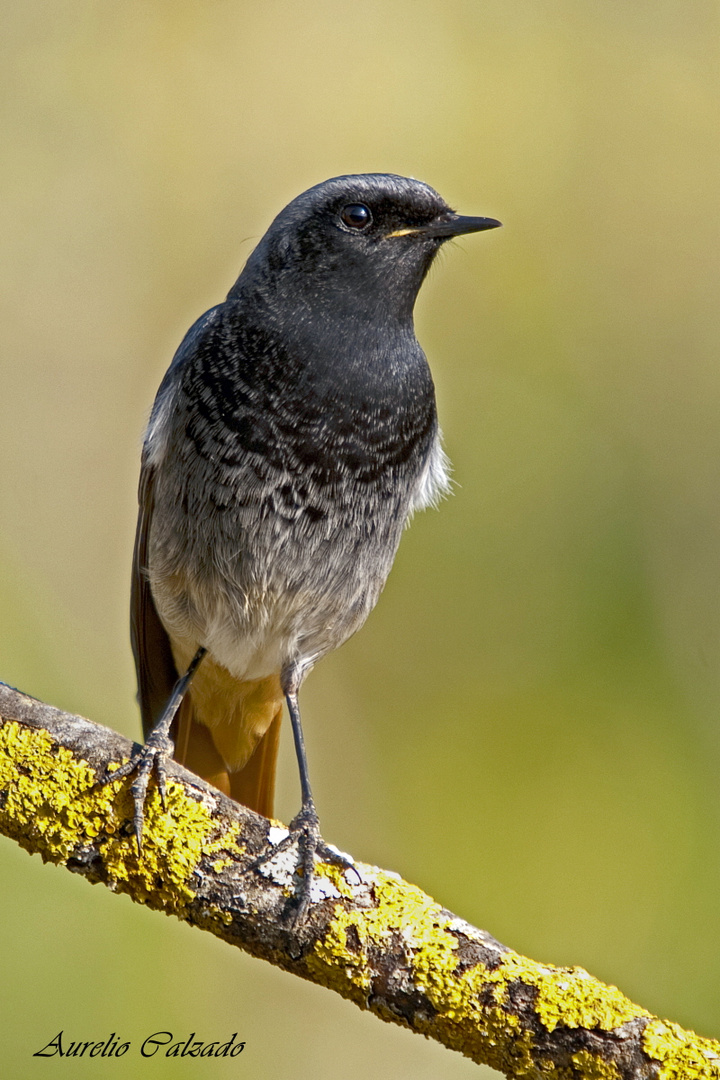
(368, 935)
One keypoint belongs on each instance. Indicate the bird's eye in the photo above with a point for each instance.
(356, 216)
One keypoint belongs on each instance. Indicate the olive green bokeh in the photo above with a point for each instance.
(528, 725)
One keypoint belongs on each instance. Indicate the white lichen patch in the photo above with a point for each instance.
(280, 869)
(341, 854)
(459, 926)
(322, 888)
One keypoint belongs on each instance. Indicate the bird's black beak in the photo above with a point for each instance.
(456, 225)
(448, 226)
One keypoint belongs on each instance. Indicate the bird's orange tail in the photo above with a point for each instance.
(229, 733)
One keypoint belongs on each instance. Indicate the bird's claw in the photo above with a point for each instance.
(152, 757)
(304, 832)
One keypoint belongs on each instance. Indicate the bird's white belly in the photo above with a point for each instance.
(255, 635)
(252, 652)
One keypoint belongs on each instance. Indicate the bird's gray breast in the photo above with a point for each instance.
(282, 484)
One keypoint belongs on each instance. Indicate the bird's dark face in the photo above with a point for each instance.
(358, 244)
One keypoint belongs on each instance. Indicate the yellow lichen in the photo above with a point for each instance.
(343, 950)
(591, 1067)
(336, 875)
(471, 1011)
(681, 1054)
(568, 996)
(52, 805)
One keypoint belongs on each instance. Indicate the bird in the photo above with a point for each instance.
(292, 438)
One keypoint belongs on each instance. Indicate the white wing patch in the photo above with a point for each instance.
(156, 434)
(435, 482)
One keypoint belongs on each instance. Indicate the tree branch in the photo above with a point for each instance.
(369, 936)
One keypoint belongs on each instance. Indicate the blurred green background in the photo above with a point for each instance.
(528, 726)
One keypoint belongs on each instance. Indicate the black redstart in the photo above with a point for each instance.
(292, 437)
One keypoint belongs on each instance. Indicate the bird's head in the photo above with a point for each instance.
(356, 244)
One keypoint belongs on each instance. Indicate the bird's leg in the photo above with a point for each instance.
(155, 753)
(305, 826)
(304, 829)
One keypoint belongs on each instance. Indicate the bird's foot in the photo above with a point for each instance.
(304, 833)
(152, 757)
(155, 754)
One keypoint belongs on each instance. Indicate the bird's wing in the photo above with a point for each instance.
(220, 719)
(154, 664)
(254, 783)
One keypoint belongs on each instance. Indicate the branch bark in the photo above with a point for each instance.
(369, 936)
